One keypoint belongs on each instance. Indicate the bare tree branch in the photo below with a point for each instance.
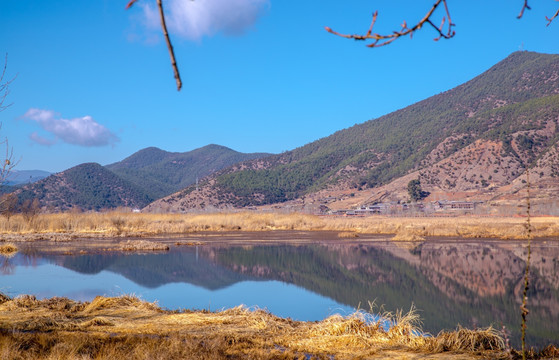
(169, 46)
(527, 7)
(524, 7)
(167, 40)
(8, 164)
(4, 86)
(130, 3)
(549, 20)
(381, 40)
(378, 40)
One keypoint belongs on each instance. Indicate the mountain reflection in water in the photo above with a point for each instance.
(471, 283)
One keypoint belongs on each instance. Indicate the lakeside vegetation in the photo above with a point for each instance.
(126, 224)
(126, 327)
(119, 327)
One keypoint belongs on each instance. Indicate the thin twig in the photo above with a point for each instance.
(4, 86)
(7, 164)
(169, 46)
(130, 3)
(381, 40)
(524, 7)
(167, 40)
(549, 20)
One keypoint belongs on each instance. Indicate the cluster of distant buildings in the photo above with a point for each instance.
(394, 208)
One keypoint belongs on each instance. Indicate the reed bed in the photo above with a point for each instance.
(126, 327)
(65, 226)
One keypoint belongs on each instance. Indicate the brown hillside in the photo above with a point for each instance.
(474, 142)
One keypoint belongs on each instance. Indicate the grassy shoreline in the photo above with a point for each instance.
(126, 327)
(116, 224)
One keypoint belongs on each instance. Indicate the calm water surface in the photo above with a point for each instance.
(472, 283)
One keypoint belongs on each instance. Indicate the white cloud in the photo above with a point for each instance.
(83, 131)
(195, 19)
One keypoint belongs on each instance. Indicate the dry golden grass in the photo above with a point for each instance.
(8, 249)
(66, 226)
(142, 245)
(188, 243)
(127, 328)
(472, 340)
(406, 236)
(348, 235)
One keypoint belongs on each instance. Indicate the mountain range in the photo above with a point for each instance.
(134, 182)
(19, 177)
(473, 142)
(159, 173)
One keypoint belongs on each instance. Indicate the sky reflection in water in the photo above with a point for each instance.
(47, 280)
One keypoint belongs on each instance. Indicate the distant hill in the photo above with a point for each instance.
(87, 187)
(18, 177)
(474, 141)
(159, 173)
(136, 181)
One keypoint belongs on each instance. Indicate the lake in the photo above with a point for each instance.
(474, 283)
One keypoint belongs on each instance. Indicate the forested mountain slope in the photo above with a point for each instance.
(479, 136)
(134, 182)
(159, 173)
(87, 186)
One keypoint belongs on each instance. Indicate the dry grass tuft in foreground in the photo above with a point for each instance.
(128, 328)
(472, 340)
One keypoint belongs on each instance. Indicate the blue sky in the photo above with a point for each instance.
(94, 82)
